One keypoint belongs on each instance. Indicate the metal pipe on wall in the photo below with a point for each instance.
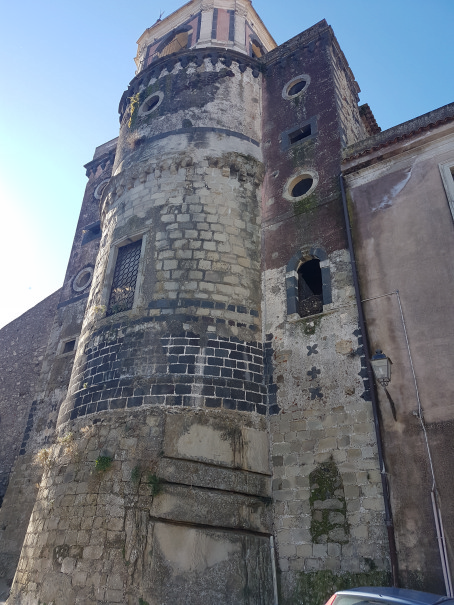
(384, 478)
(433, 494)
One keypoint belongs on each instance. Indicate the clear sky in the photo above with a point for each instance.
(65, 65)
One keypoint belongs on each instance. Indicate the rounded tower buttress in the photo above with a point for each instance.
(167, 402)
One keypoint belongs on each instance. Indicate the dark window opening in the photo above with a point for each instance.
(310, 288)
(296, 88)
(83, 279)
(151, 103)
(125, 278)
(452, 173)
(70, 345)
(256, 50)
(302, 186)
(179, 41)
(300, 134)
(91, 232)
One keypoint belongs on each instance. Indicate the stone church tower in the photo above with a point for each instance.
(209, 436)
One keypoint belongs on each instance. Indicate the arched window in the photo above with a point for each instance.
(180, 40)
(256, 49)
(310, 288)
(308, 283)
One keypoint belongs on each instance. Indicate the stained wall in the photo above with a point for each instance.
(327, 494)
(403, 232)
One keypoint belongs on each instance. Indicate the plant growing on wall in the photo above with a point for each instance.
(103, 463)
(44, 457)
(155, 483)
(133, 107)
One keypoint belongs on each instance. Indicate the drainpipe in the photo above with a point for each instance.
(273, 569)
(362, 325)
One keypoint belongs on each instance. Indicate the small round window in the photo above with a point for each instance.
(100, 189)
(296, 86)
(83, 279)
(151, 103)
(301, 185)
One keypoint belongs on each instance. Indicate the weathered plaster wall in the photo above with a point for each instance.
(403, 232)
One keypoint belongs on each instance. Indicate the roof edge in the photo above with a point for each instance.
(401, 131)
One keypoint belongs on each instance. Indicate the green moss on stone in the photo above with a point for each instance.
(155, 483)
(103, 463)
(315, 588)
(136, 474)
(310, 324)
(134, 109)
(306, 204)
(302, 153)
(329, 518)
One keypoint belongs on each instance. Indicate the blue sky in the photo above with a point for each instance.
(66, 65)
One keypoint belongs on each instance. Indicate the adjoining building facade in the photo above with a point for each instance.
(196, 422)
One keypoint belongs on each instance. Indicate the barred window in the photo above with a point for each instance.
(125, 278)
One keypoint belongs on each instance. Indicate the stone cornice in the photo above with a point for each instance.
(420, 126)
(103, 160)
(225, 56)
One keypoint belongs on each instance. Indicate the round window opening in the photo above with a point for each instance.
(301, 186)
(296, 87)
(83, 279)
(151, 103)
(100, 189)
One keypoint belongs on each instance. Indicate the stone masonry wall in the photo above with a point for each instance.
(186, 359)
(123, 514)
(198, 284)
(53, 361)
(23, 344)
(328, 502)
(49, 392)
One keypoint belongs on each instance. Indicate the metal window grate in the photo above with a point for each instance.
(125, 277)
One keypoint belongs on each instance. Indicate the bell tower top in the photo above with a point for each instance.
(230, 24)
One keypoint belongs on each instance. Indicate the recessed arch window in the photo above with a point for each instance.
(179, 40)
(256, 49)
(308, 282)
(310, 288)
(100, 189)
(301, 186)
(83, 279)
